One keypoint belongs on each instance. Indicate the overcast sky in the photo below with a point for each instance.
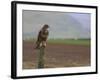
(62, 24)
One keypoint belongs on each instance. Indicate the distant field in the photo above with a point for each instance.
(70, 41)
(66, 41)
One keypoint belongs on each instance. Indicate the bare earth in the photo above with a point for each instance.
(57, 55)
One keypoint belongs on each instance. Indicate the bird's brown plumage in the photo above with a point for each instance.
(42, 37)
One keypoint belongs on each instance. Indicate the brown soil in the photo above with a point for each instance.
(57, 55)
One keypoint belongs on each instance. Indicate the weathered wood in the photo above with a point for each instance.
(41, 57)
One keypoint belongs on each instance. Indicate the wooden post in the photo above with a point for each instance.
(41, 57)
